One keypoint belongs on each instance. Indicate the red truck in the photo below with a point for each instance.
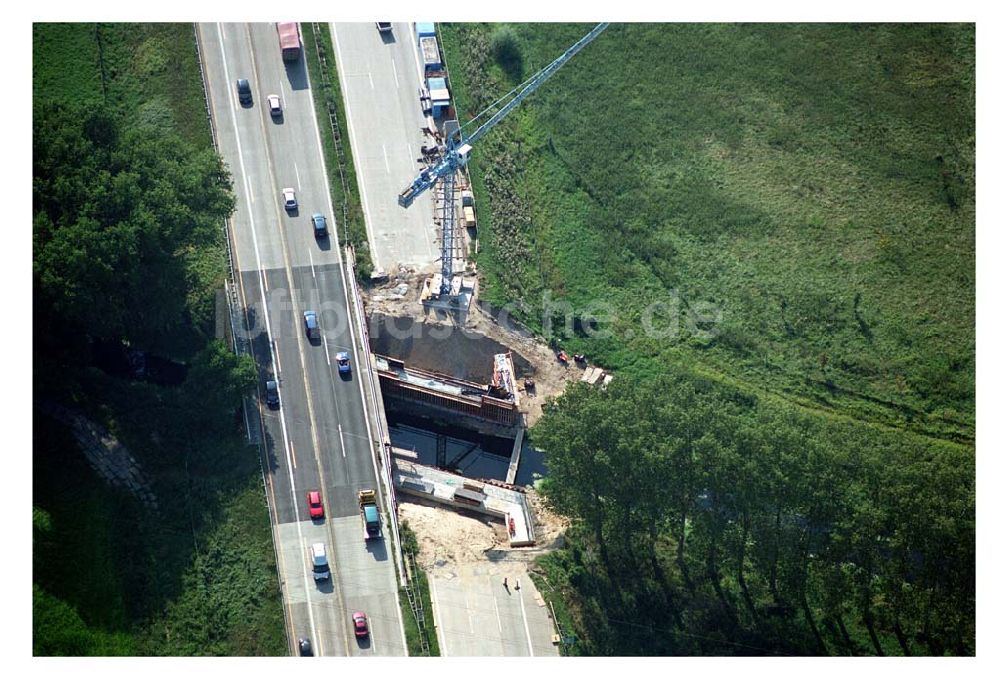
(290, 39)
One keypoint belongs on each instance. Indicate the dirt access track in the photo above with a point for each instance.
(453, 538)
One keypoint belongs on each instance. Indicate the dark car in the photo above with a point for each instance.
(243, 90)
(360, 624)
(271, 394)
(305, 647)
(312, 324)
(319, 225)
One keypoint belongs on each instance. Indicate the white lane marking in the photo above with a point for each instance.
(370, 80)
(343, 282)
(440, 624)
(416, 55)
(468, 613)
(311, 266)
(298, 181)
(250, 188)
(313, 426)
(267, 321)
(291, 443)
(395, 77)
(343, 447)
(327, 351)
(413, 154)
(263, 274)
(281, 91)
(371, 636)
(524, 617)
(385, 156)
(277, 358)
(357, 163)
(496, 608)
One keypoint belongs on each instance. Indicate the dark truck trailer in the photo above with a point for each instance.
(290, 40)
(369, 513)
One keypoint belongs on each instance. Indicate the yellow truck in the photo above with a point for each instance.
(368, 505)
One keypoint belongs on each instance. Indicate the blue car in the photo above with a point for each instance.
(312, 324)
(343, 363)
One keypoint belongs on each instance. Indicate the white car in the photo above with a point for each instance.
(288, 197)
(274, 105)
(320, 564)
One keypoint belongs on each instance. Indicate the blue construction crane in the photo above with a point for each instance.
(457, 152)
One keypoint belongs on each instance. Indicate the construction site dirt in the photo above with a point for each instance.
(448, 537)
(402, 328)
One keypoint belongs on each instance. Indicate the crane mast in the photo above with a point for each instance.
(456, 154)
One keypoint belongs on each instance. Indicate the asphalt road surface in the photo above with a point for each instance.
(380, 77)
(319, 437)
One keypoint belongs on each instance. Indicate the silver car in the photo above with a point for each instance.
(320, 564)
(274, 105)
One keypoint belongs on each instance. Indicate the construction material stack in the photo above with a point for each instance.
(440, 97)
(431, 56)
(468, 209)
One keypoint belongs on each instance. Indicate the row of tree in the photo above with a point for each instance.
(721, 523)
(128, 252)
(117, 211)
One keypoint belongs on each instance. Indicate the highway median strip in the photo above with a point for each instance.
(330, 112)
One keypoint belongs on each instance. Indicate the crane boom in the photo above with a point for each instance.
(456, 157)
(536, 81)
(457, 151)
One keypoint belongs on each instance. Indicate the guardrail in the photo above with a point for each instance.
(237, 309)
(324, 69)
(383, 456)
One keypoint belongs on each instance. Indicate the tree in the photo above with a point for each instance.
(114, 211)
(817, 527)
(216, 383)
(506, 50)
(574, 436)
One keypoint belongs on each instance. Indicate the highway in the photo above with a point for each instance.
(380, 78)
(477, 615)
(319, 437)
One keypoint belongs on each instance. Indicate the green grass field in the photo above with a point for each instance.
(786, 210)
(814, 184)
(142, 69)
(80, 602)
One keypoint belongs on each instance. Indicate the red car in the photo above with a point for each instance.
(315, 502)
(360, 624)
